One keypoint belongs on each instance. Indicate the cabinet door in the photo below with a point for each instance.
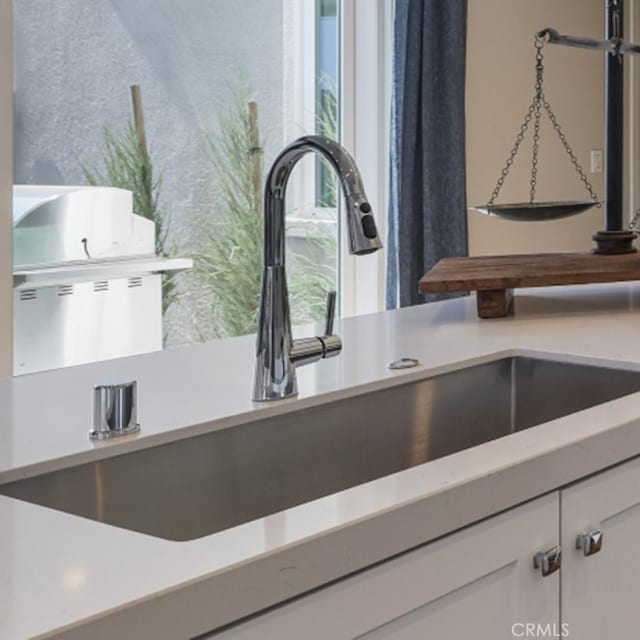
(477, 583)
(599, 598)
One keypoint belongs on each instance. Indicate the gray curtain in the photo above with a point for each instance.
(427, 204)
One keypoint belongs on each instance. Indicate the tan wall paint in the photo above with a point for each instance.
(500, 87)
(6, 225)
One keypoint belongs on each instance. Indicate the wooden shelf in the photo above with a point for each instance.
(494, 277)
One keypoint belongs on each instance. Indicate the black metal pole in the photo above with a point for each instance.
(614, 115)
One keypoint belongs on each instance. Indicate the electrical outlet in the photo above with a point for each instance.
(596, 160)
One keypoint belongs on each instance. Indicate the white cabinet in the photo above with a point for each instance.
(476, 583)
(600, 591)
(480, 582)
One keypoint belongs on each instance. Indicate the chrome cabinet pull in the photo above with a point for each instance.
(548, 561)
(590, 542)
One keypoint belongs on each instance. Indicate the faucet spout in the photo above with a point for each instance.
(277, 354)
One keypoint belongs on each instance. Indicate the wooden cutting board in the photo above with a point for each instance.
(495, 277)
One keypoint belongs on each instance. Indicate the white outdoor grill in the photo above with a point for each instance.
(87, 282)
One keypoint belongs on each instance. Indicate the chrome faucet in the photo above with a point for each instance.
(277, 354)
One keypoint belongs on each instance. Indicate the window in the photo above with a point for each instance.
(198, 66)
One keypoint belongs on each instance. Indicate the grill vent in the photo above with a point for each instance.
(65, 290)
(135, 282)
(28, 294)
(103, 285)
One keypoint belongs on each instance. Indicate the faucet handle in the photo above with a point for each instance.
(331, 345)
(307, 350)
(331, 313)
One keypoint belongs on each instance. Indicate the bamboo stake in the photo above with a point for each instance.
(255, 151)
(138, 118)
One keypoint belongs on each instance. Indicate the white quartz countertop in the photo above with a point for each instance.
(62, 576)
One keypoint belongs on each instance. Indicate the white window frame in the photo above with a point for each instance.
(366, 47)
(299, 103)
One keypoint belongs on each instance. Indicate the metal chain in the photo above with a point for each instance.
(537, 114)
(534, 112)
(633, 225)
(577, 166)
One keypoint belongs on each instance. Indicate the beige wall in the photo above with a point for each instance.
(6, 226)
(500, 87)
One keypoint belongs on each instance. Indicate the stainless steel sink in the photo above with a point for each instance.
(197, 486)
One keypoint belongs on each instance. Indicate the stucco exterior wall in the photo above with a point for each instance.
(75, 60)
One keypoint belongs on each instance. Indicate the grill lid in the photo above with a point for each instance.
(58, 225)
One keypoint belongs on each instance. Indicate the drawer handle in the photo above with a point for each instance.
(548, 561)
(590, 542)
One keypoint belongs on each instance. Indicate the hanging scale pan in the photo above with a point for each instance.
(538, 211)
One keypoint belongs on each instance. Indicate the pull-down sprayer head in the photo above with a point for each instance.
(363, 233)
